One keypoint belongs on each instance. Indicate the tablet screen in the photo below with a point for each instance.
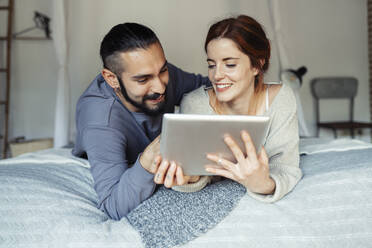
(187, 138)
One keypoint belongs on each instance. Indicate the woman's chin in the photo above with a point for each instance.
(223, 98)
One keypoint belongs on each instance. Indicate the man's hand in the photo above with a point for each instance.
(170, 174)
(150, 158)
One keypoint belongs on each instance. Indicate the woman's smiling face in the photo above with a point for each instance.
(229, 70)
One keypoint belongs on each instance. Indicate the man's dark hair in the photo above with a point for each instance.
(123, 38)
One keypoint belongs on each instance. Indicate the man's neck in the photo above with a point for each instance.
(127, 104)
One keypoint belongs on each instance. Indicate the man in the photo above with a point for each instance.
(119, 116)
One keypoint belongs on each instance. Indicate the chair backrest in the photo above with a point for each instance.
(334, 87)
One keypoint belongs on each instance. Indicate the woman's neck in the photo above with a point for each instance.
(241, 105)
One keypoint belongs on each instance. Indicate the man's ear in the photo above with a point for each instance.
(110, 78)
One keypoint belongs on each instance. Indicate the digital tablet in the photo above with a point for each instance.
(187, 138)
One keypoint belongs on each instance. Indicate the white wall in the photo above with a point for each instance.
(328, 36)
(173, 21)
(33, 77)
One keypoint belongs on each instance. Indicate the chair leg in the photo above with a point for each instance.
(352, 133)
(334, 132)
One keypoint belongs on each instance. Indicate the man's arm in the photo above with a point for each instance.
(185, 81)
(119, 186)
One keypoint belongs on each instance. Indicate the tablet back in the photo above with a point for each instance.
(187, 138)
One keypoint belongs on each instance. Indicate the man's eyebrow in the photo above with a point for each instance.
(139, 76)
(224, 59)
(164, 66)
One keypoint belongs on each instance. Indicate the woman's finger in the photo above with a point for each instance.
(263, 156)
(221, 161)
(234, 147)
(160, 173)
(248, 143)
(219, 171)
(168, 182)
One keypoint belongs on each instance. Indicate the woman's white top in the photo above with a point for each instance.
(281, 143)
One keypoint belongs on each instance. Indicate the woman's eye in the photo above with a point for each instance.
(230, 65)
(211, 66)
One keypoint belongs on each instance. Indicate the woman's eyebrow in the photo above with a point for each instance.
(224, 59)
(229, 58)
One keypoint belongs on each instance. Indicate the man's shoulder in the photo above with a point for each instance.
(97, 88)
(95, 104)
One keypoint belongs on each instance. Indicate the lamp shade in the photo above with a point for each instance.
(294, 79)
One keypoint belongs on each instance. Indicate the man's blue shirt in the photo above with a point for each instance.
(112, 138)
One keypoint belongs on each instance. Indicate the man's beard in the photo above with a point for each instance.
(142, 105)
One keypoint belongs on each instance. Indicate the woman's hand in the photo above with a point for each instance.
(251, 170)
(170, 174)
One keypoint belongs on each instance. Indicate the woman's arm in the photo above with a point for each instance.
(268, 178)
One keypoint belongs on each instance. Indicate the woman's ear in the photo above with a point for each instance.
(110, 78)
(257, 70)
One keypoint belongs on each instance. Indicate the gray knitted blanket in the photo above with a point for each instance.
(171, 218)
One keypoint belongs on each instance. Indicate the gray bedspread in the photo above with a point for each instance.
(48, 201)
(172, 218)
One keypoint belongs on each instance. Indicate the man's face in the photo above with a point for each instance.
(145, 79)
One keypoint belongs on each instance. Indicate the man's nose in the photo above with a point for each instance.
(158, 86)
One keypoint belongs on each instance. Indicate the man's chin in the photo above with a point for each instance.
(154, 110)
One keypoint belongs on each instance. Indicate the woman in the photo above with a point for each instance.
(238, 54)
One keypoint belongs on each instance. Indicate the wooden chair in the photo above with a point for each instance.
(337, 88)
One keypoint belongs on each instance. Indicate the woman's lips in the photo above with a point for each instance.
(221, 87)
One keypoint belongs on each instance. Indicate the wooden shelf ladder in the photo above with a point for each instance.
(5, 102)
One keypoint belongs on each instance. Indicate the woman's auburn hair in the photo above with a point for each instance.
(250, 38)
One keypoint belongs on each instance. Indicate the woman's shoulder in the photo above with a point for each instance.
(196, 101)
(273, 88)
(281, 96)
(199, 94)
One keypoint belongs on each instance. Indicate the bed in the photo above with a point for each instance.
(47, 200)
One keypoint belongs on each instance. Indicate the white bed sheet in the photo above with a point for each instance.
(319, 145)
(328, 208)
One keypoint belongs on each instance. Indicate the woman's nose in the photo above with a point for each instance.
(219, 73)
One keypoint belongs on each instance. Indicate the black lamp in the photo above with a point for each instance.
(41, 22)
(294, 77)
